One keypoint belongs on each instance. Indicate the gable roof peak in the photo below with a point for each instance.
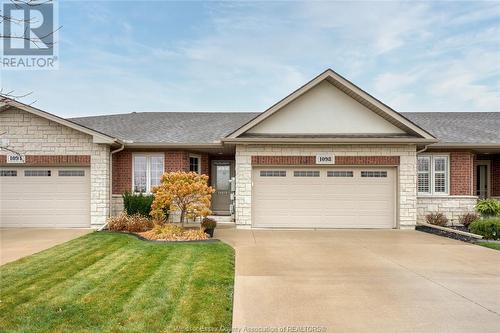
(349, 89)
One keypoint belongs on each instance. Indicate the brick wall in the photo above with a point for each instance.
(461, 173)
(339, 160)
(495, 176)
(205, 164)
(42, 139)
(174, 161)
(122, 172)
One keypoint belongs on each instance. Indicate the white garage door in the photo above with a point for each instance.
(44, 197)
(324, 197)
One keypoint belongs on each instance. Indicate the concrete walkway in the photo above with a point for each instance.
(17, 243)
(363, 281)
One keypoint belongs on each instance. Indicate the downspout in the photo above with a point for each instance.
(110, 187)
(423, 149)
(418, 152)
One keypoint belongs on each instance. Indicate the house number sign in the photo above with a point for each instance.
(14, 158)
(325, 159)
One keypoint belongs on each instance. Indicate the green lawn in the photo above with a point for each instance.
(495, 246)
(105, 282)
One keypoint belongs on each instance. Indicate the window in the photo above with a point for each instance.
(8, 173)
(37, 173)
(306, 173)
(440, 174)
(148, 169)
(424, 174)
(273, 173)
(433, 175)
(194, 164)
(71, 173)
(339, 174)
(374, 174)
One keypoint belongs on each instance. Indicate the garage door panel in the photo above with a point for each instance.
(323, 201)
(41, 205)
(46, 201)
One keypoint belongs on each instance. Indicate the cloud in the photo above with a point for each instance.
(245, 56)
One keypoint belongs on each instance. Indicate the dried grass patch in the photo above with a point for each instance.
(171, 232)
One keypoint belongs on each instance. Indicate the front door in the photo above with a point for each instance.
(222, 171)
(482, 179)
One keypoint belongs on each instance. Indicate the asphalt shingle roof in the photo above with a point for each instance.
(460, 127)
(168, 127)
(210, 127)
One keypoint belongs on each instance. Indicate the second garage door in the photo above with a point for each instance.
(324, 197)
(45, 197)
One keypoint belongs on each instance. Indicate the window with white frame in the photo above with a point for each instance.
(148, 169)
(433, 174)
(194, 163)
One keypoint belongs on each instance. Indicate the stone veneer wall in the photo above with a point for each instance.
(451, 206)
(407, 173)
(33, 135)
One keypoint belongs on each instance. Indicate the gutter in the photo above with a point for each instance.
(466, 145)
(174, 145)
(349, 141)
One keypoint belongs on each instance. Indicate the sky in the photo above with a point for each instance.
(126, 56)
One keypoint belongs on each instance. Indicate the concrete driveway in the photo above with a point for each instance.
(17, 243)
(363, 281)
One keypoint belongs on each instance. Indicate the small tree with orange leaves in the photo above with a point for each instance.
(186, 192)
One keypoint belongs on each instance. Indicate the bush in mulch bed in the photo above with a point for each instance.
(467, 218)
(171, 232)
(444, 233)
(137, 203)
(488, 228)
(130, 223)
(436, 219)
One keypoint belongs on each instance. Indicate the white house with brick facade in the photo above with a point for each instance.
(329, 155)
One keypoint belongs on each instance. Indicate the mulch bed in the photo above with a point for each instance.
(448, 234)
(208, 240)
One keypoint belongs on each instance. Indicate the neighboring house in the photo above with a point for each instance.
(329, 155)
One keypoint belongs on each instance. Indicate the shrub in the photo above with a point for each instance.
(186, 192)
(436, 219)
(137, 203)
(173, 232)
(468, 218)
(488, 207)
(133, 223)
(488, 228)
(208, 223)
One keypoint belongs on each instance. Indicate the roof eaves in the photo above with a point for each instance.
(360, 140)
